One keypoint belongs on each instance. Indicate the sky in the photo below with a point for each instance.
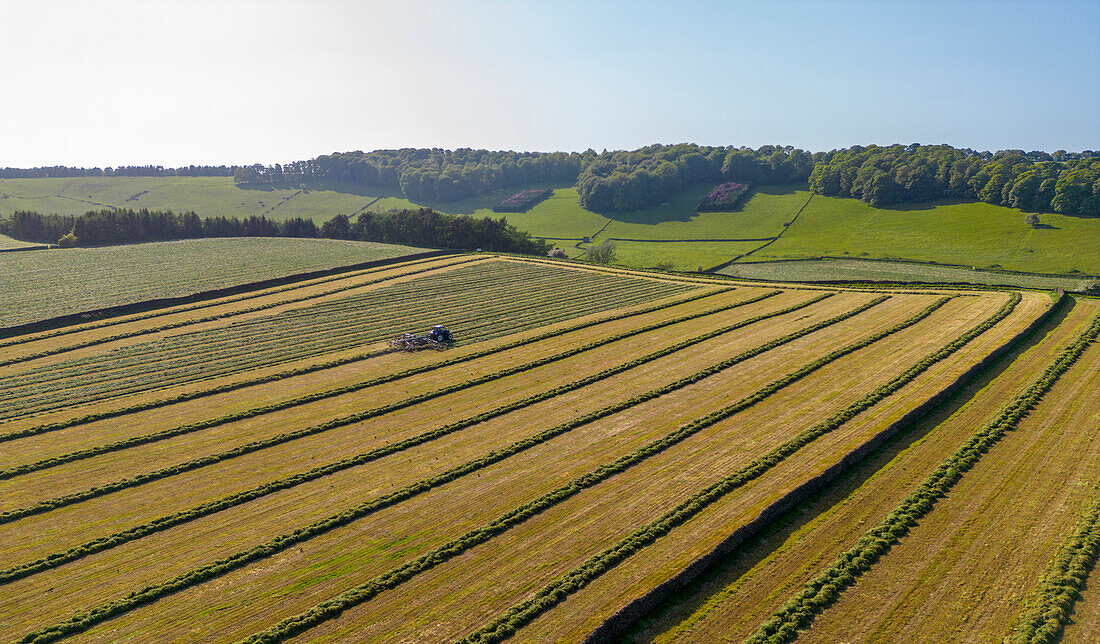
(233, 82)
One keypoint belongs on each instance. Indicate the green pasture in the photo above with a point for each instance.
(762, 216)
(678, 256)
(972, 234)
(41, 284)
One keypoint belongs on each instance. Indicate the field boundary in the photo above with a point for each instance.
(147, 305)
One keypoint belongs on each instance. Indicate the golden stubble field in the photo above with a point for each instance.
(261, 467)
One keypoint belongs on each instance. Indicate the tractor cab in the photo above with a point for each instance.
(440, 333)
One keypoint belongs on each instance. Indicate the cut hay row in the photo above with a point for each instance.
(434, 264)
(144, 439)
(331, 364)
(824, 590)
(1054, 458)
(416, 295)
(569, 583)
(359, 459)
(479, 314)
(563, 543)
(755, 578)
(290, 455)
(498, 455)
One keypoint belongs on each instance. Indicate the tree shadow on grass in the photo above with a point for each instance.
(694, 596)
(684, 206)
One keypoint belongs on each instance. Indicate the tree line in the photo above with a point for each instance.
(1031, 181)
(420, 227)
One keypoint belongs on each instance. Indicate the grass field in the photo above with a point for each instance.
(260, 467)
(864, 270)
(44, 284)
(970, 234)
(975, 235)
(7, 242)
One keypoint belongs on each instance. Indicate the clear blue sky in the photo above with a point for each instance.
(174, 83)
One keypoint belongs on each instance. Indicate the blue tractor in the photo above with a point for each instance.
(438, 338)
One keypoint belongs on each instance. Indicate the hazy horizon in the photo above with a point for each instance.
(208, 83)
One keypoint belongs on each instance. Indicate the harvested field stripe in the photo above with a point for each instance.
(163, 523)
(822, 591)
(218, 302)
(218, 316)
(192, 427)
(86, 620)
(558, 590)
(44, 506)
(332, 608)
(1046, 617)
(41, 429)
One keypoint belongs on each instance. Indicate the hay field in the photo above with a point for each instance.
(262, 467)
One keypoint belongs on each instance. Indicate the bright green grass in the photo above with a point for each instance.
(679, 256)
(47, 283)
(8, 242)
(762, 216)
(560, 215)
(969, 233)
(869, 270)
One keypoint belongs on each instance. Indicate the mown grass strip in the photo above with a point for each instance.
(165, 522)
(86, 620)
(22, 339)
(333, 607)
(1045, 617)
(504, 316)
(210, 318)
(558, 590)
(162, 402)
(823, 590)
(256, 411)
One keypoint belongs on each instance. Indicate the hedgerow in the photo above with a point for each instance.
(98, 614)
(824, 589)
(556, 592)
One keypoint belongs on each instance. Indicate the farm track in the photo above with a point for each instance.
(315, 373)
(475, 320)
(536, 441)
(51, 343)
(755, 579)
(940, 580)
(326, 445)
(463, 377)
(538, 546)
(877, 543)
